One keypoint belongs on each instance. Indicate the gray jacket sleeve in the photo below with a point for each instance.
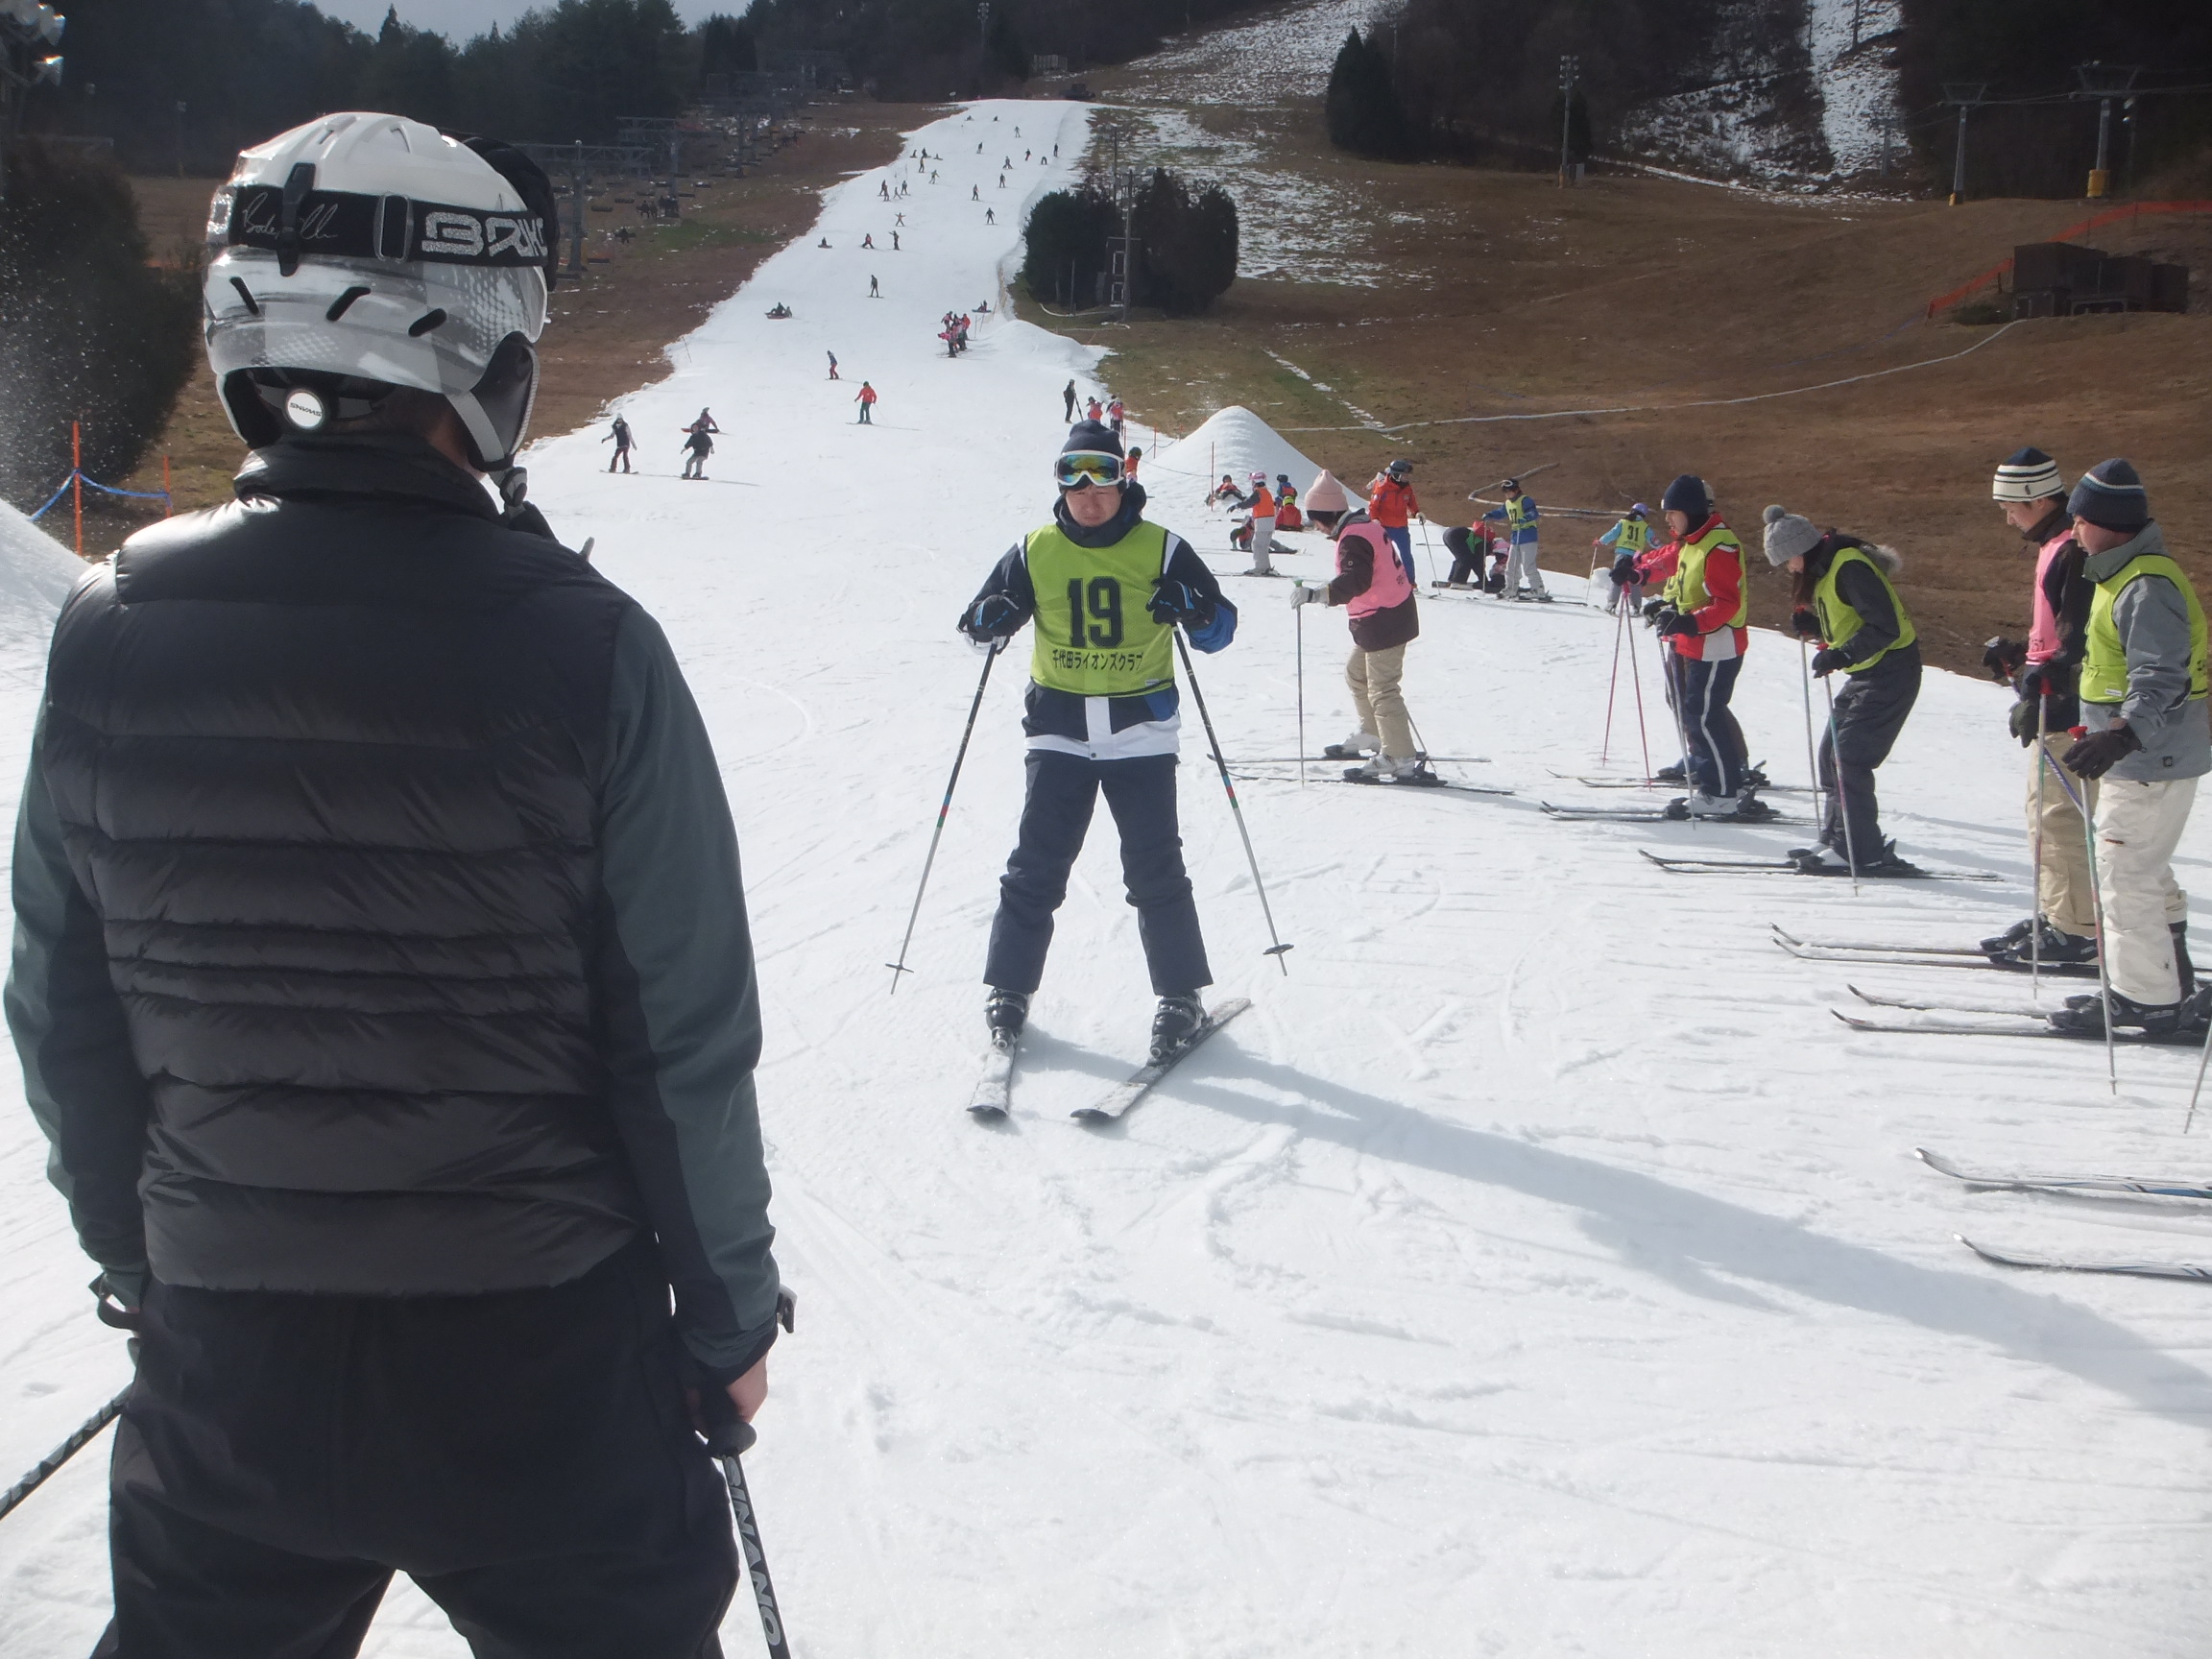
(79, 1076)
(2153, 618)
(679, 1009)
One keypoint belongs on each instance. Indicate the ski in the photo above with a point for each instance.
(1339, 759)
(994, 1088)
(1118, 1100)
(1968, 1028)
(2021, 1182)
(1783, 867)
(1443, 783)
(2055, 1264)
(1571, 814)
(1787, 940)
(1934, 959)
(1600, 781)
(1924, 1006)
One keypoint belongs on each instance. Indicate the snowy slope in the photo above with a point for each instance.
(1538, 1269)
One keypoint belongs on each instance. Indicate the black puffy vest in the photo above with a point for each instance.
(324, 760)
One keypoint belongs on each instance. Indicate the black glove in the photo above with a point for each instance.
(1676, 622)
(1805, 623)
(2100, 752)
(1826, 662)
(2023, 719)
(1175, 601)
(1653, 606)
(1625, 573)
(2003, 658)
(993, 617)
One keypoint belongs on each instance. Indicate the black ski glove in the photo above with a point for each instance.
(1827, 660)
(993, 617)
(1805, 623)
(2003, 658)
(1175, 601)
(2023, 719)
(1655, 609)
(2100, 752)
(1676, 622)
(1625, 573)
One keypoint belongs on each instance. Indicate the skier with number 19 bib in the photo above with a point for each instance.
(1107, 590)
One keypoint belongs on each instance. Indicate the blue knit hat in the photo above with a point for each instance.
(2111, 496)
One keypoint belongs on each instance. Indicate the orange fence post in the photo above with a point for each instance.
(77, 479)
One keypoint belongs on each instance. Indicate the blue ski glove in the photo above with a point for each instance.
(1175, 601)
(993, 617)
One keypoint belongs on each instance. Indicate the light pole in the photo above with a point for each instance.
(1568, 68)
(2103, 82)
(1966, 94)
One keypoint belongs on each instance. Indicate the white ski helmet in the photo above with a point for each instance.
(362, 253)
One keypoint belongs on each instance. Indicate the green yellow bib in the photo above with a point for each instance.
(1094, 636)
(1839, 623)
(1631, 536)
(2105, 664)
(1686, 589)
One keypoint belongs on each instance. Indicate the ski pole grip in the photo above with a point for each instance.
(728, 1435)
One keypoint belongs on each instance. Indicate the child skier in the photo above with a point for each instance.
(1703, 615)
(1377, 592)
(620, 438)
(1519, 516)
(1107, 590)
(700, 445)
(866, 398)
(1629, 540)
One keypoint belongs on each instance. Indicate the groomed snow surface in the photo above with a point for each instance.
(1538, 1269)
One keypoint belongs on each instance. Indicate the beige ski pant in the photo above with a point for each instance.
(2138, 827)
(1374, 676)
(2062, 890)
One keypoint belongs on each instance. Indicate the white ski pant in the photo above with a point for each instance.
(1373, 677)
(1520, 569)
(2062, 890)
(2138, 827)
(1262, 541)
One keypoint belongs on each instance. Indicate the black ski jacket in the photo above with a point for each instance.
(379, 927)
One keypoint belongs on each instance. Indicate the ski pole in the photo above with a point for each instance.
(1277, 947)
(728, 1437)
(2185, 1122)
(2035, 925)
(968, 731)
(87, 1433)
(1612, 687)
(1636, 679)
(1298, 612)
(2097, 897)
(1842, 798)
(1428, 549)
(1812, 761)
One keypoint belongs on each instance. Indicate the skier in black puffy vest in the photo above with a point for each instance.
(382, 980)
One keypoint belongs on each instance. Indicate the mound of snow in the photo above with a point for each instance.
(35, 575)
(1233, 440)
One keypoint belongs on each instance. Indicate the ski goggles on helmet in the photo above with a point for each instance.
(1079, 469)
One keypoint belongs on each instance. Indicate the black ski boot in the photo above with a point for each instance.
(1005, 1013)
(2181, 963)
(1675, 774)
(1177, 1020)
(1750, 809)
(2039, 941)
(2016, 934)
(2084, 1017)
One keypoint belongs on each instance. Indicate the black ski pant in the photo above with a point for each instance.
(524, 1457)
(1055, 813)
(1466, 556)
(1717, 756)
(1870, 711)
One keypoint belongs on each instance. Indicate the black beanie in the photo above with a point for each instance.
(1094, 436)
(2111, 496)
(1688, 494)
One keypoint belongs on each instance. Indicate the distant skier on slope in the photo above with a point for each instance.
(1392, 505)
(1519, 516)
(1702, 616)
(1844, 594)
(1627, 541)
(1107, 590)
(697, 446)
(1068, 403)
(866, 398)
(1376, 589)
(621, 436)
(1262, 527)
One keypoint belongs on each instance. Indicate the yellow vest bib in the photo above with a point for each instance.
(1686, 589)
(1094, 636)
(1633, 536)
(1839, 623)
(2104, 662)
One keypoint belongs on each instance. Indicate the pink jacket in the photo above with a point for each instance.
(1387, 586)
(2043, 628)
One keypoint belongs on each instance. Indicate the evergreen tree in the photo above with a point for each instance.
(1063, 244)
(1186, 246)
(1362, 108)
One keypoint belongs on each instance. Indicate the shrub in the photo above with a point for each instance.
(1064, 244)
(1187, 246)
(89, 330)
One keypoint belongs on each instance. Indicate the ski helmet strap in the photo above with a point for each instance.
(298, 184)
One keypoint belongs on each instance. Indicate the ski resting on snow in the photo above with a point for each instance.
(2056, 1265)
(994, 1090)
(1968, 1028)
(1571, 814)
(1784, 867)
(2016, 1181)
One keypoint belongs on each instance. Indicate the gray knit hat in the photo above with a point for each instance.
(1788, 535)
(2027, 475)
(2111, 496)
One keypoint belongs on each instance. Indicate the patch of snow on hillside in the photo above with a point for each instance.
(1269, 61)
(1858, 86)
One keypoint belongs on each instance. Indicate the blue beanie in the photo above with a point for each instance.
(1688, 494)
(1094, 436)
(2111, 496)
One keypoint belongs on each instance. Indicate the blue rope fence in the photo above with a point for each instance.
(107, 489)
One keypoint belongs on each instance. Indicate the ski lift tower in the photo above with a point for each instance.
(1966, 95)
(2104, 82)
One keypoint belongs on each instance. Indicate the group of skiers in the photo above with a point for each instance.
(952, 328)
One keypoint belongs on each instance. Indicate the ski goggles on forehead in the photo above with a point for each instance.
(1081, 466)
